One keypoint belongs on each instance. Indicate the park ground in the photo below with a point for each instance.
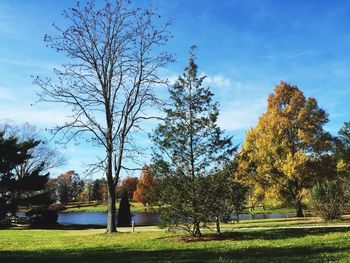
(278, 240)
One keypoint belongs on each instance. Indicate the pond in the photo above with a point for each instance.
(100, 218)
(143, 218)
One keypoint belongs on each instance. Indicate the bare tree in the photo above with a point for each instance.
(115, 54)
(43, 155)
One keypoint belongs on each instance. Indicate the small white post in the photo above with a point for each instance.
(133, 226)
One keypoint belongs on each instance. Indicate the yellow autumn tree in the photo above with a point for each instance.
(283, 152)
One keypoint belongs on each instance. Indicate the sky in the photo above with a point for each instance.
(245, 48)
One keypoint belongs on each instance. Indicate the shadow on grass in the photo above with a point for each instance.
(261, 254)
(275, 234)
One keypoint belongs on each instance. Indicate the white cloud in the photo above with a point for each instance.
(241, 116)
(39, 117)
(219, 81)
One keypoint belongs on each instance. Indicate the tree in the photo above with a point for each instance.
(144, 187)
(288, 147)
(344, 139)
(124, 215)
(68, 186)
(99, 190)
(27, 189)
(227, 197)
(329, 199)
(110, 79)
(189, 147)
(342, 153)
(42, 155)
(129, 185)
(86, 193)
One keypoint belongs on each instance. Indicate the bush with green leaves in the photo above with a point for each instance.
(329, 199)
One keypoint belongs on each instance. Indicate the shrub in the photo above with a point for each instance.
(42, 216)
(329, 200)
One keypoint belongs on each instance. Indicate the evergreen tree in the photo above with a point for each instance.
(124, 215)
(342, 153)
(27, 189)
(227, 196)
(189, 146)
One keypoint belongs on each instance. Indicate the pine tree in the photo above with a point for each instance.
(124, 215)
(29, 189)
(189, 147)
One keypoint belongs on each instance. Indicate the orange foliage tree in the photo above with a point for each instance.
(286, 149)
(129, 185)
(143, 190)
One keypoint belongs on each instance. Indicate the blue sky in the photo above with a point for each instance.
(244, 47)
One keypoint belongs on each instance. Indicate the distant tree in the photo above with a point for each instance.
(27, 189)
(119, 191)
(288, 148)
(129, 185)
(51, 189)
(68, 186)
(190, 146)
(124, 215)
(99, 190)
(115, 51)
(86, 193)
(144, 187)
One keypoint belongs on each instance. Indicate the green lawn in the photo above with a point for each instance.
(134, 207)
(281, 245)
(271, 209)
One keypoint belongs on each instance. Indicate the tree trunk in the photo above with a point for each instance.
(111, 215)
(299, 208)
(196, 230)
(218, 230)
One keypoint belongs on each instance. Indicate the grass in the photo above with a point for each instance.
(271, 209)
(145, 245)
(134, 207)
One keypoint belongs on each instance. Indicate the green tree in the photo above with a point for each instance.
(124, 215)
(99, 189)
(227, 197)
(189, 147)
(344, 139)
(287, 148)
(342, 153)
(27, 189)
(329, 199)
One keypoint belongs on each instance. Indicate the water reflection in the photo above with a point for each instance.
(100, 218)
(144, 218)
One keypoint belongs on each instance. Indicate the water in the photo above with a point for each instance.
(100, 218)
(143, 218)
